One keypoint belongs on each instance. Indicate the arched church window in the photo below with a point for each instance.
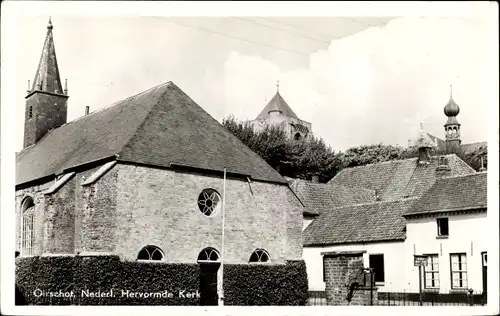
(296, 136)
(151, 253)
(209, 202)
(259, 255)
(30, 111)
(209, 255)
(28, 226)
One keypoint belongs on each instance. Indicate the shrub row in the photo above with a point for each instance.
(51, 280)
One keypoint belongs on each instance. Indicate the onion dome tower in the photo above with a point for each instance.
(452, 127)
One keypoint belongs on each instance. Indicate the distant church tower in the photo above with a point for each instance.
(46, 102)
(278, 113)
(452, 127)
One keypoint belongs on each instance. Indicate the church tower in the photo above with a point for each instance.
(46, 102)
(277, 112)
(452, 127)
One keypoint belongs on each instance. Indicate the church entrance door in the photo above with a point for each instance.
(209, 261)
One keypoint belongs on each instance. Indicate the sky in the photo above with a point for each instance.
(358, 80)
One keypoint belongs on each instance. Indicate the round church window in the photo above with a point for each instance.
(209, 202)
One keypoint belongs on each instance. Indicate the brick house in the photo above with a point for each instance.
(371, 219)
(143, 179)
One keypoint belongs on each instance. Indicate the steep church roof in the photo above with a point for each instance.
(398, 179)
(47, 74)
(161, 127)
(279, 104)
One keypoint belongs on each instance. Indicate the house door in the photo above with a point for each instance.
(484, 256)
(208, 283)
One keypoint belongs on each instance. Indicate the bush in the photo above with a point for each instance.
(243, 284)
(85, 275)
(266, 284)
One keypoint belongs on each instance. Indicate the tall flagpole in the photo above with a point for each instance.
(221, 293)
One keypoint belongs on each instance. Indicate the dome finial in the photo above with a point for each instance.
(50, 27)
(277, 85)
(451, 91)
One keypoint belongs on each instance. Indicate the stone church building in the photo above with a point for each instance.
(144, 179)
(278, 113)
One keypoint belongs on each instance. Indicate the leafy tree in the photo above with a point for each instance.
(307, 158)
(368, 154)
(292, 158)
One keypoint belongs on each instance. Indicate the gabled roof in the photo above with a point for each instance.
(160, 127)
(471, 147)
(440, 144)
(277, 103)
(398, 179)
(321, 197)
(371, 222)
(456, 193)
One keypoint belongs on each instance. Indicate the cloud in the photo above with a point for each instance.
(377, 85)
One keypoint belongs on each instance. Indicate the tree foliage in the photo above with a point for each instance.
(292, 158)
(304, 159)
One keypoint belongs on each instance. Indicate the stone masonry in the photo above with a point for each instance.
(133, 206)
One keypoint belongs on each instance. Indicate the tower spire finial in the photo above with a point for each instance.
(50, 27)
(451, 90)
(277, 85)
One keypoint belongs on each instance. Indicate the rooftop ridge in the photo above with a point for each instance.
(120, 101)
(476, 173)
(377, 202)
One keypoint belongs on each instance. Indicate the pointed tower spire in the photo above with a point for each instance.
(46, 102)
(47, 75)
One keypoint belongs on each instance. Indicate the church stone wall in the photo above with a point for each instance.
(159, 207)
(34, 192)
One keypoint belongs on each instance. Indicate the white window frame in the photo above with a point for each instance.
(461, 270)
(433, 263)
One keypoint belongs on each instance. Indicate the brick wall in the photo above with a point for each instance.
(159, 207)
(341, 270)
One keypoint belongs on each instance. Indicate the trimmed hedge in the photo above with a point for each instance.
(172, 284)
(249, 284)
(100, 275)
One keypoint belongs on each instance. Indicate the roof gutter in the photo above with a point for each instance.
(449, 210)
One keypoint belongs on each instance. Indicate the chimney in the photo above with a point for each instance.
(315, 178)
(424, 155)
(483, 168)
(443, 169)
(87, 108)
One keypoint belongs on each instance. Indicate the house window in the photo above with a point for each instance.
(209, 255)
(458, 271)
(30, 112)
(151, 253)
(209, 202)
(28, 227)
(377, 264)
(259, 255)
(431, 280)
(442, 226)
